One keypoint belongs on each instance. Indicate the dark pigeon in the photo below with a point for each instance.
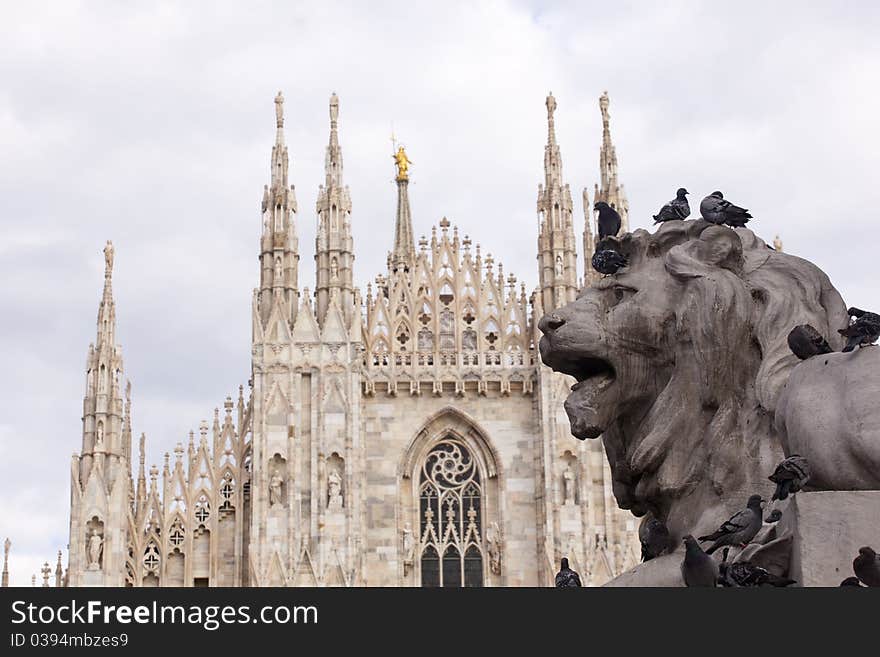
(697, 568)
(864, 329)
(608, 261)
(745, 573)
(739, 529)
(866, 566)
(774, 516)
(677, 208)
(851, 581)
(806, 342)
(654, 537)
(790, 476)
(716, 210)
(609, 220)
(566, 578)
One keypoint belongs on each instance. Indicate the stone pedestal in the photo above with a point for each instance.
(828, 528)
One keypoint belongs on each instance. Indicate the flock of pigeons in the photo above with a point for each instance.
(699, 568)
(863, 330)
(804, 340)
(714, 209)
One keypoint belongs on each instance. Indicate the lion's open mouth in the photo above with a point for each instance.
(592, 403)
(588, 369)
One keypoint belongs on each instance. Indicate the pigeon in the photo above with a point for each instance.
(851, 581)
(864, 329)
(677, 208)
(566, 578)
(805, 342)
(697, 568)
(739, 529)
(774, 516)
(608, 261)
(745, 573)
(866, 566)
(654, 537)
(790, 476)
(717, 211)
(609, 220)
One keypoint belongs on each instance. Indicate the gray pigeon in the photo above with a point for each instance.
(739, 529)
(697, 568)
(608, 261)
(677, 208)
(806, 342)
(717, 211)
(851, 581)
(864, 329)
(609, 220)
(774, 516)
(790, 476)
(654, 537)
(566, 578)
(745, 573)
(866, 566)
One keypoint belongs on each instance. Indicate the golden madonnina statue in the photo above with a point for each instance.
(402, 162)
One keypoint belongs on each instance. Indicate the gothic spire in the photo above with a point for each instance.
(334, 248)
(333, 160)
(610, 190)
(7, 544)
(552, 156)
(107, 307)
(404, 254)
(279, 256)
(557, 257)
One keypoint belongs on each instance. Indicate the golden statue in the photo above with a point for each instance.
(402, 162)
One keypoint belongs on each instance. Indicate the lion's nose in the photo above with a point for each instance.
(550, 322)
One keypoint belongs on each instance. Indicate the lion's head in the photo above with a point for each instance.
(679, 359)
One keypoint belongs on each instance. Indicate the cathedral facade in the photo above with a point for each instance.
(407, 436)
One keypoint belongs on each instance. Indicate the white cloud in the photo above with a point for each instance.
(152, 125)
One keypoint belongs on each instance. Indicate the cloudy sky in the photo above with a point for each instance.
(151, 125)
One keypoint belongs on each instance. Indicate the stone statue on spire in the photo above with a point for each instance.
(108, 259)
(279, 110)
(551, 105)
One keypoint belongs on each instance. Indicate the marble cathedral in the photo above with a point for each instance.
(406, 437)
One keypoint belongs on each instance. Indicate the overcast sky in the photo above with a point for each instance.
(151, 125)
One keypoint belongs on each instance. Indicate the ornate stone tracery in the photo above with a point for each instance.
(450, 510)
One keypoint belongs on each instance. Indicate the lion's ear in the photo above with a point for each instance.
(717, 247)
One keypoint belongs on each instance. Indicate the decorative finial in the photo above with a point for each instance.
(108, 259)
(279, 110)
(402, 162)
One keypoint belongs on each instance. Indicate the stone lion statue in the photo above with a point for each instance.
(681, 359)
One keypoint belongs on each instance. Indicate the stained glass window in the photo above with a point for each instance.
(450, 517)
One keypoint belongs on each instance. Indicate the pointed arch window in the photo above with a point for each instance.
(450, 517)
